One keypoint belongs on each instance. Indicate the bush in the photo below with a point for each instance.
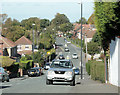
(96, 69)
(6, 61)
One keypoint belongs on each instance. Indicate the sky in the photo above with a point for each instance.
(25, 9)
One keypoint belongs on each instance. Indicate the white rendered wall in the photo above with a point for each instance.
(114, 60)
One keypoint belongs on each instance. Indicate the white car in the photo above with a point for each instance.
(74, 56)
(61, 71)
(68, 42)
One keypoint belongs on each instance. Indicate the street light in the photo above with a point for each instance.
(33, 41)
(81, 44)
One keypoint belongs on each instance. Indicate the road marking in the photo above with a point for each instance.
(61, 48)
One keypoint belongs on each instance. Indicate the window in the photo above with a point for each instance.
(19, 47)
(26, 47)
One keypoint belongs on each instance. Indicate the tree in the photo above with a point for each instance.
(107, 21)
(60, 19)
(84, 21)
(27, 23)
(15, 32)
(92, 49)
(3, 18)
(66, 27)
(44, 23)
(96, 38)
(91, 19)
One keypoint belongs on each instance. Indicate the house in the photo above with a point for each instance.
(114, 63)
(88, 31)
(24, 46)
(7, 47)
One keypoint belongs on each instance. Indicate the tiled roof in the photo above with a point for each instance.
(86, 29)
(23, 41)
(6, 42)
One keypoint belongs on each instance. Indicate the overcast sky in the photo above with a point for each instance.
(21, 9)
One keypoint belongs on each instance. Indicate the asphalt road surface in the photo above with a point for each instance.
(38, 84)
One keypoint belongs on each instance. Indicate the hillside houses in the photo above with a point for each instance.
(88, 31)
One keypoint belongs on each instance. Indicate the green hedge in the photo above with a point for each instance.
(96, 69)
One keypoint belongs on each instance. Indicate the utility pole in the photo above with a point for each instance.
(33, 42)
(81, 44)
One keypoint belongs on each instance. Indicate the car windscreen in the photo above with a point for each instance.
(76, 69)
(1, 70)
(74, 54)
(47, 64)
(61, 64)
(32, 70)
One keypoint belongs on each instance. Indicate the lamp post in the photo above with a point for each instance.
(86, 48)
(81, 44)
(33, 41)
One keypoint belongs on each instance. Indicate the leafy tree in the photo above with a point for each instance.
(28, 23)
(15, 22)
(91, 19)
(84, 21)
(93, 48)
(96, 38)
(8, 23)
(107, 21)
(6, 61)
(66, 27)
(3, 18)
(60, 19)
(44, 23)
(15, 32)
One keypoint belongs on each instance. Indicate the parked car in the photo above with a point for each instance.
(47, 66)
(61, 70)
(4, 76)
(61, 56)
(74, 56)
(77, 71)
(66, 50)
(34, 71)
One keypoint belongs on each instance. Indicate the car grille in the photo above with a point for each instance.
(59, 72)
(58, 78)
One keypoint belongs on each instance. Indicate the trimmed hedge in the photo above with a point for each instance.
(6, 61)
(96, 69)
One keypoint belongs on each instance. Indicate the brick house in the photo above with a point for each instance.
(24, 46)
(87, 30)
(7, 47)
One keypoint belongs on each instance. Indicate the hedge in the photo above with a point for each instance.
(96, 70)
(6, 61)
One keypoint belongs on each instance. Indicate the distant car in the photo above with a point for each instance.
(47, 66)
(4, 76)
(74, 56)
(68, 42)
(34, 71)
(66, 50)
(61, 57)
(77, 71)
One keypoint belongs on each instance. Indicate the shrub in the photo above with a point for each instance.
(96, 70)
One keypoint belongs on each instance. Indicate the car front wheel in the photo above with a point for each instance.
(72, 83)
(7, 80)
(49, 82)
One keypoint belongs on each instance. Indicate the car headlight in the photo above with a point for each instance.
(50, 72)
(68, 73)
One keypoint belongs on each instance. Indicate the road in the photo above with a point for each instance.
(38, 84)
